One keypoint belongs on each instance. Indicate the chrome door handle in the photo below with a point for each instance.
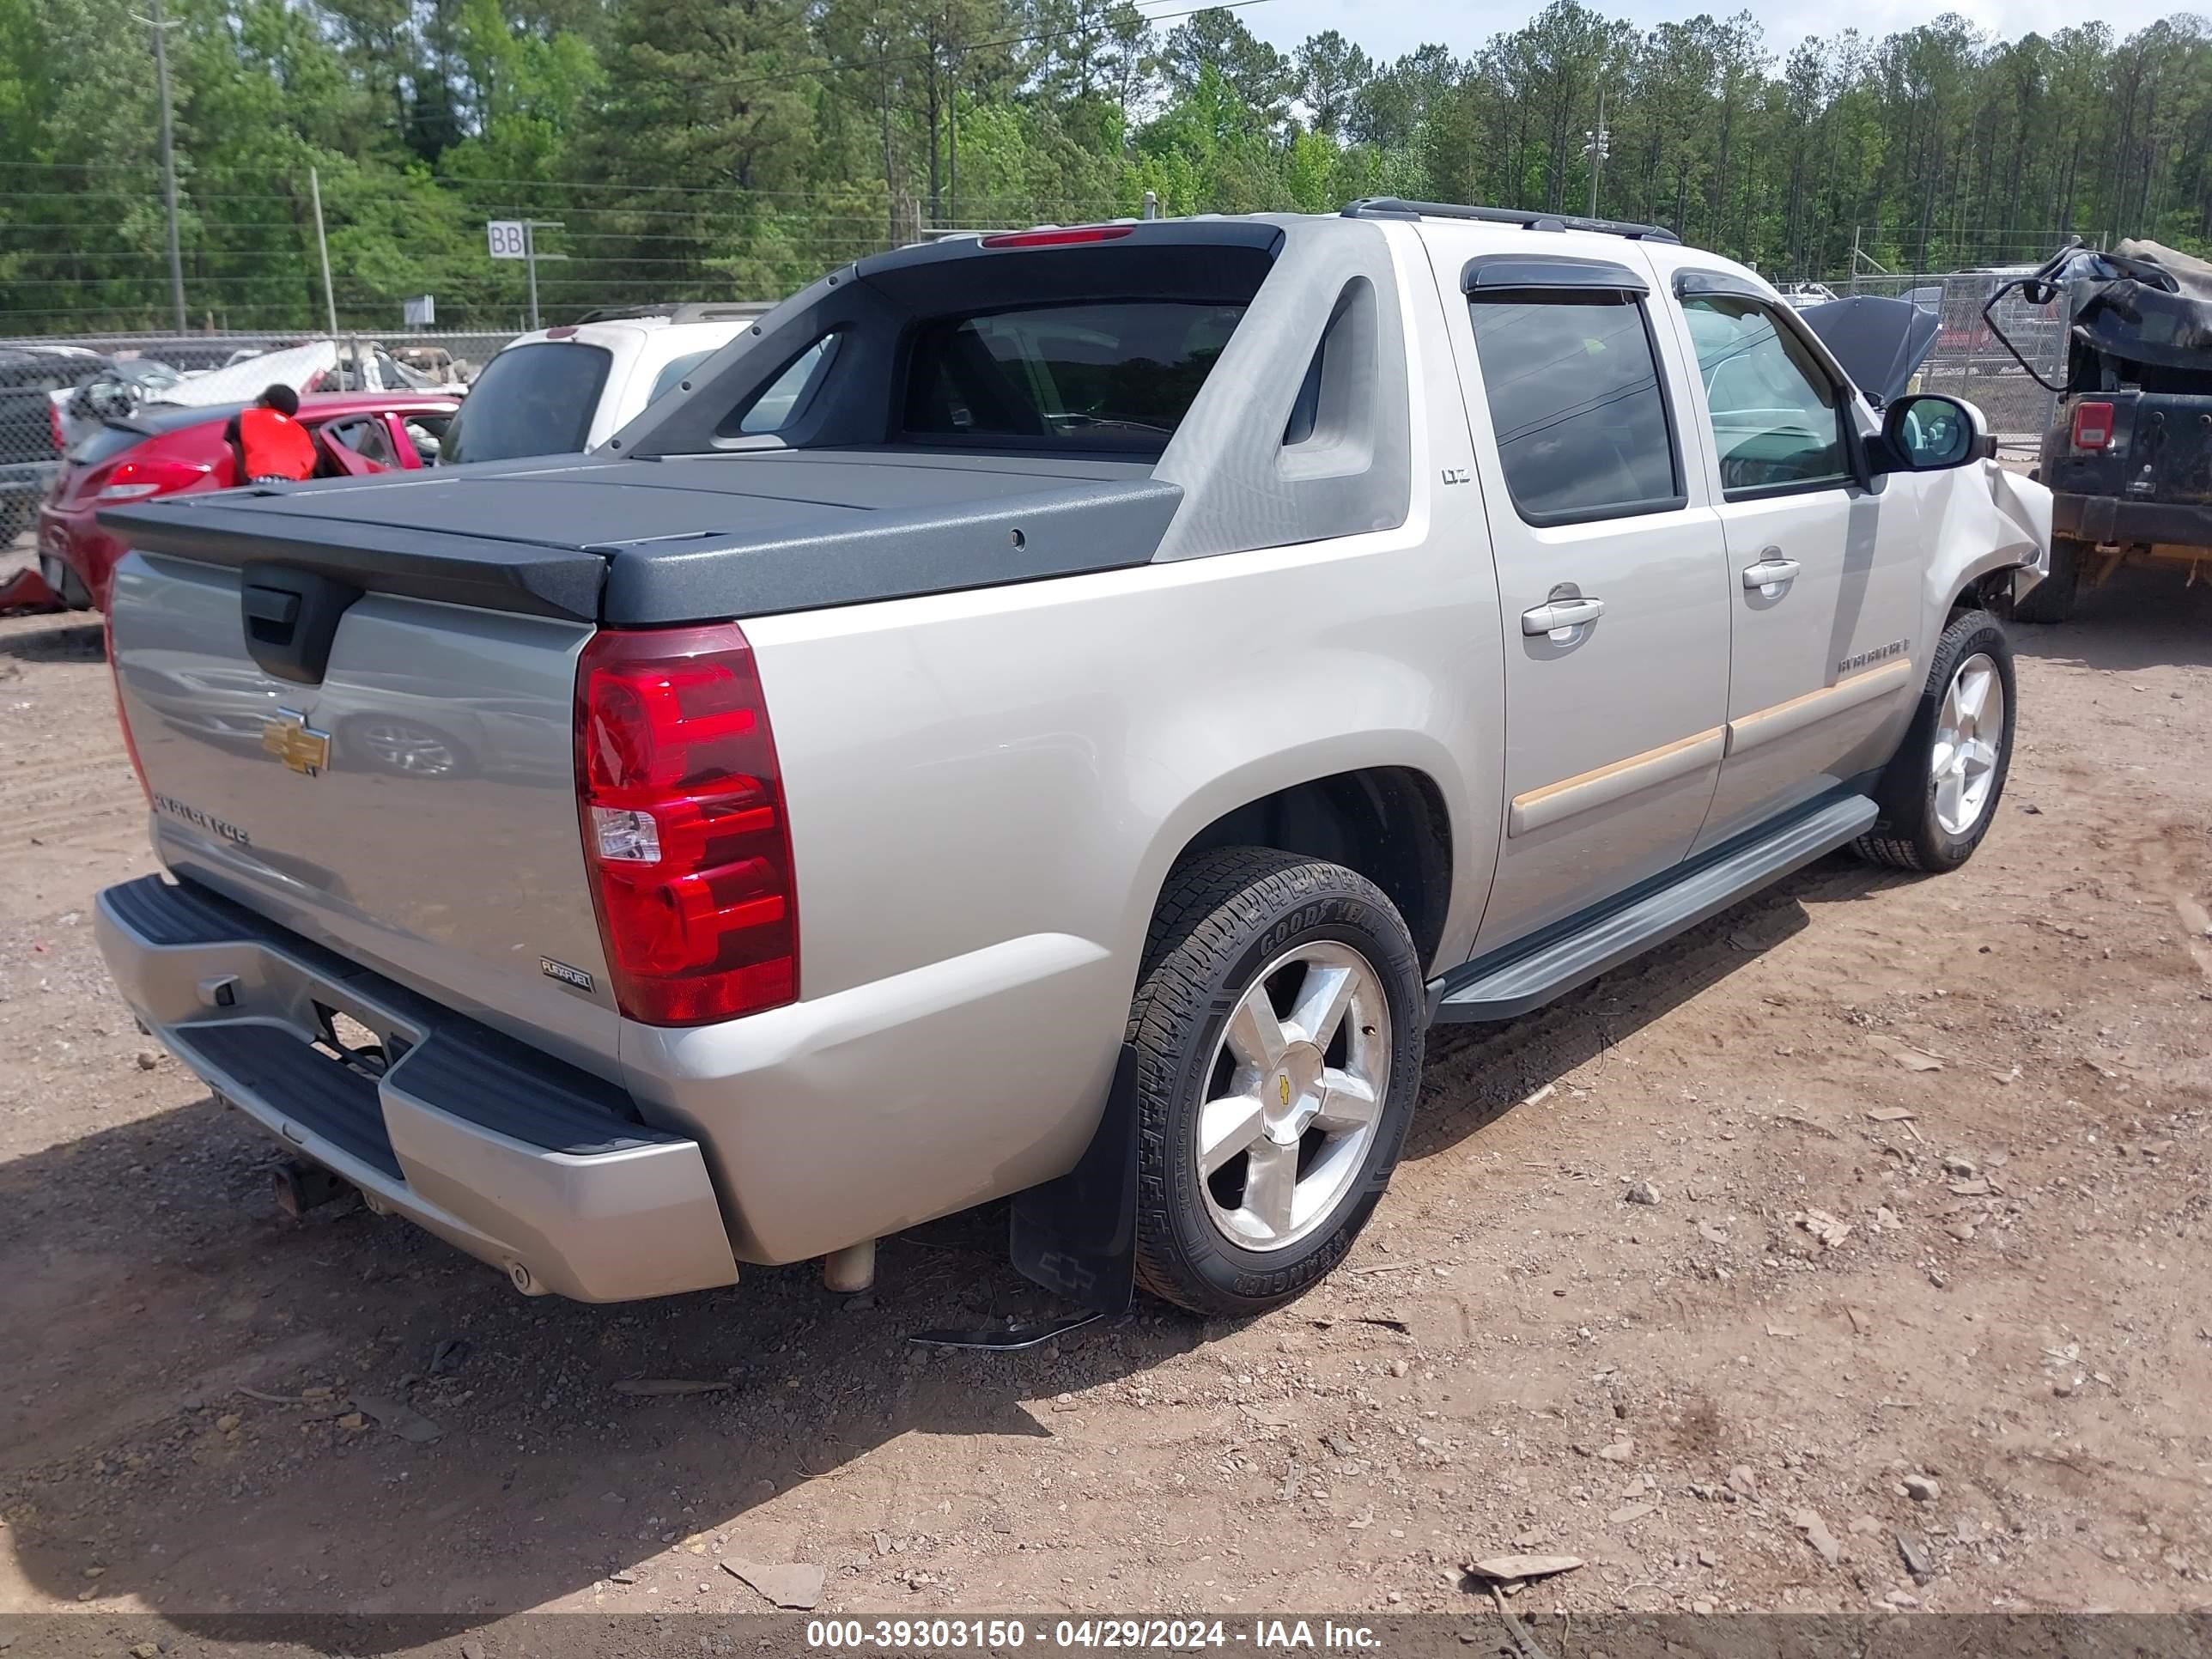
(1558, 616)
(1771, 571)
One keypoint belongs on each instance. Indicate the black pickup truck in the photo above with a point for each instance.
(2128, 453)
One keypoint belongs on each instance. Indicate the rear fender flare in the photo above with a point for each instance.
(1473, 854)
(1076, 1235)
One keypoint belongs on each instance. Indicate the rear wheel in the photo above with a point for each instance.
(1279, 1031)
(2051, 599)
(1942, 787)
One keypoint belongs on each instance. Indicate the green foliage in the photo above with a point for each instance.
(706, 149)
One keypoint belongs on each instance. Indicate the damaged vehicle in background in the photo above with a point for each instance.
(2128, 451)
(166, 448)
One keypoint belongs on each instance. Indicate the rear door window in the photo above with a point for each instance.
(1113, 375)
(529, 400)
(1572, 381)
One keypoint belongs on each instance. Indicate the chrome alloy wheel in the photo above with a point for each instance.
(1294, 1094)
(1968, 729)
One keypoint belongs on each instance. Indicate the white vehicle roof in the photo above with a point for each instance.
(647, 352)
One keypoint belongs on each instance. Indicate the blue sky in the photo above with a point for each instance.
(1393, 27)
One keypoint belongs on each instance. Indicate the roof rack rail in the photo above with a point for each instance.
(620, 313)
(1392, 207)
(691, 311)
(721, 311)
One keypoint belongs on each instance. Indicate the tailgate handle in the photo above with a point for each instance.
(272, 605)
(290, 618)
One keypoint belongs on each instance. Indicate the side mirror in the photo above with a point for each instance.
(1927, 432)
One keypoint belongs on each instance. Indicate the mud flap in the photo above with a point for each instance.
(1076, 1234)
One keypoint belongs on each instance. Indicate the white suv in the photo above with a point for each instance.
(560, 390)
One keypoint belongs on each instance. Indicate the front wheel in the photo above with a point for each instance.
(1942, 787)
(1278, 1029)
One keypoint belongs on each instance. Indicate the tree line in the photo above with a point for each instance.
(737, 149)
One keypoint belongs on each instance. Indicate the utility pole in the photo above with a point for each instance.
(1598, 142)
(952, 131)
(169, 158)
(531, 256)
(530, 264)
(323, 247)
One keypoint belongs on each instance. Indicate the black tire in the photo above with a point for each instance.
(2051, 599)
(1226, 915)
(1909, 834)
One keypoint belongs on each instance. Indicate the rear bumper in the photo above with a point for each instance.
(82, 549)
(2107, 518)
(539, 1169)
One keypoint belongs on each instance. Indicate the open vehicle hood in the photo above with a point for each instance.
(1880, 342)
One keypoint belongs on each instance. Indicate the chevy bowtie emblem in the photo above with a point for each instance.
(298, 744)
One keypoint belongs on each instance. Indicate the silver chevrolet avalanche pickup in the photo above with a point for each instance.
(1051, 716)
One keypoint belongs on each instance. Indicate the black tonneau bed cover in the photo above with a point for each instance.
(684, 538)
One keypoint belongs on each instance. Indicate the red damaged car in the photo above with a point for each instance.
(160, 450)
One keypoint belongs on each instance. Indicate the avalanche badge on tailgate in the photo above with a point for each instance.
(298, 744)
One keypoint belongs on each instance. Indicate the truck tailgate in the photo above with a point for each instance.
(2171, 447)
(2159, 450)
(414, 810)
(405, 791)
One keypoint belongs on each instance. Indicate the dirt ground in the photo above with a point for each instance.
(1961, 1314)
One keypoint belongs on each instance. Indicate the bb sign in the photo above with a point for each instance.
(510, 239)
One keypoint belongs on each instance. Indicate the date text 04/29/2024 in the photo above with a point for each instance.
(1096, 1633)
(1123, 1635)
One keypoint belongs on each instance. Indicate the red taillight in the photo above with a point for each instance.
(2092, 425)
(683, 824)
(60, 432)
(1067, 236)
(134, 481)
(122, 716)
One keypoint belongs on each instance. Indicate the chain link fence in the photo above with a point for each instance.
(200, 351)
(53, 388)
